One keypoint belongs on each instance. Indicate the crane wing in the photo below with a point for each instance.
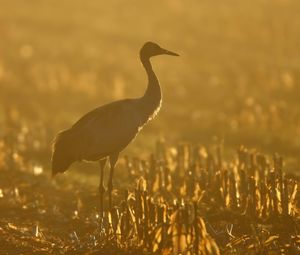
(107, 129)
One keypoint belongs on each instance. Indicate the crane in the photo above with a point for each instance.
(104, 132)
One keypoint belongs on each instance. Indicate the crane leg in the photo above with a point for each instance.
(102, 163)
(113, 160)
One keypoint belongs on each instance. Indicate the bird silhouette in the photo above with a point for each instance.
(105, 131)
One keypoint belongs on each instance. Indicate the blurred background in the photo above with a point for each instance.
(237, 80)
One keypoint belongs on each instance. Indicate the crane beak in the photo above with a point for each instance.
(167, 52)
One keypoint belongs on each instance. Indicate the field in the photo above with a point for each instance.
(216, 172)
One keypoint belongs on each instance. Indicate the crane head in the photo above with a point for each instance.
(151, 49)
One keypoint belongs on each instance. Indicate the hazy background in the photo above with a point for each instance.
(237, 79)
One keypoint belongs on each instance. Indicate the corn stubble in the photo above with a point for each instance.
(190, 201)
(187, 200)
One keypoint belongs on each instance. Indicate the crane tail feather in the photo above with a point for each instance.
(63, 152)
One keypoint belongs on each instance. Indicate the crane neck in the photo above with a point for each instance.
(151, 100)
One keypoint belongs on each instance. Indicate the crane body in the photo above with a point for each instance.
(105, 131)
